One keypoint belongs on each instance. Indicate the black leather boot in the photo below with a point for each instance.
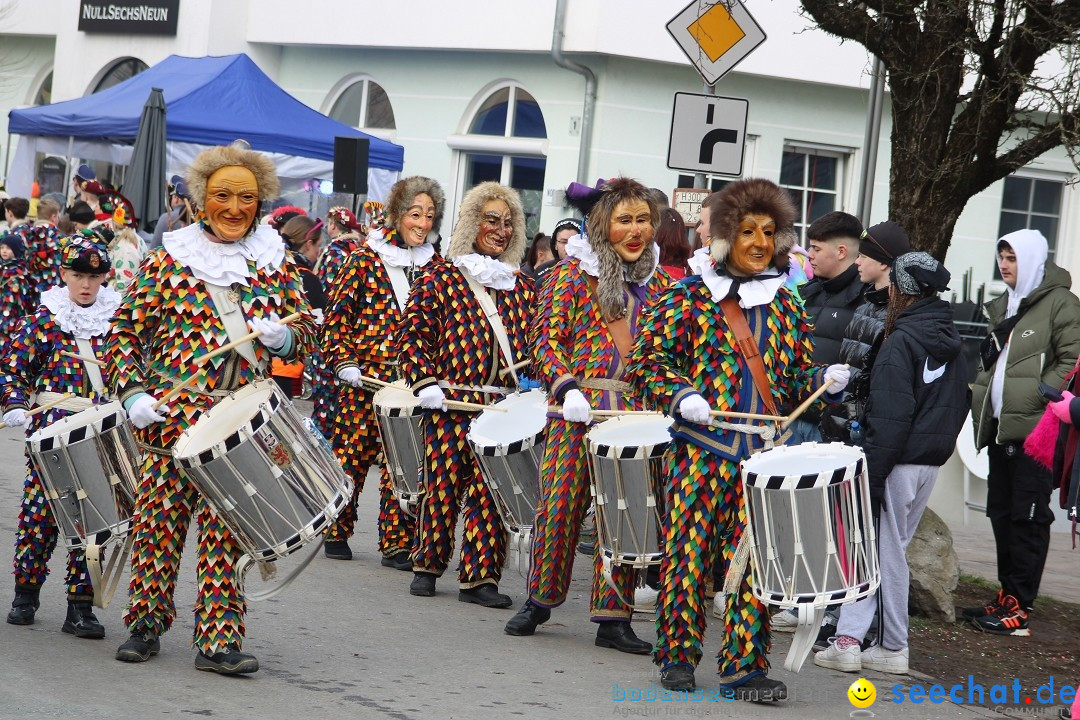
(24, 605)
(423, 585)
(230, 661)
(337, 550)
(400, 560)
(81, 621)
(620, 636)
(486, 595)
(527, 618)
(140, 647)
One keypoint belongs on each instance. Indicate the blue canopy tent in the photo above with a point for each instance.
(211, 101)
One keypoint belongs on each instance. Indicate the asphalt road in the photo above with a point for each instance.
(346, 640)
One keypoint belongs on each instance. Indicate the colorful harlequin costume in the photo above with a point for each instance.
(42, 259)
(34, 363)
(574, 348)
(686, 347)
(362, 331)
(325, 387)
(166, 321)
(446, 339)
(15, 288)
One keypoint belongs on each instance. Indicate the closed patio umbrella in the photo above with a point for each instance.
(144, 181)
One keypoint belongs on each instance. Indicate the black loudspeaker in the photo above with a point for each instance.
(350, 165)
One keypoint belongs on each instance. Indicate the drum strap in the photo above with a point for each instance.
(495, 321)
(749, 349)
(93, 372)
(619, 328)
(399, 283)
(104, 581)
(232, 317)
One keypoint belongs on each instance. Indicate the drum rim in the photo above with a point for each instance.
(620, 452)
(105, 422)
(249, 427)
(489, 448)
(851, 470)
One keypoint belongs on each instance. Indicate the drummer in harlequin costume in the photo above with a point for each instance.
(72, 318)
(360, 337)
(452, 351)
(589, 309)
(687, 360)
(210, 282)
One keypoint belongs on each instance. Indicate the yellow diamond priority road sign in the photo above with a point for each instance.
(716, 35)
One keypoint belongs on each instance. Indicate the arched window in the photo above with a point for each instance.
(364, 105)
(118, 73)
(506, 142)
(44, 93)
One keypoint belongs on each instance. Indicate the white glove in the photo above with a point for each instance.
(15, 418)
(142, 412)
(274, 334)
(695, 409)
(575, 408)
(840, 375)
(432, 398)
(350, 375)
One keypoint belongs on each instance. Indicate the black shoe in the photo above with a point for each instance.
(487, 595)
(423, 585)
(229, 661)
(826, 632)
(758, 688)
(24, 606)
(527, 618)
(399, 561)
(970, 613)
(140, 647)
(335, 550)
(678, 677)
(81, 621)
(620, 636)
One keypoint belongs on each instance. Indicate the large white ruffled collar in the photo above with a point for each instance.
(397, 256)
(752, 292)
(224, 263)
(580, 248)
(82, 322)
(488, 271)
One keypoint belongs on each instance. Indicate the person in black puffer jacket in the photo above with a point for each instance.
(879, 247)
(918, 401)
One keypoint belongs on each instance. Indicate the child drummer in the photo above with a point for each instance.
(73, 318)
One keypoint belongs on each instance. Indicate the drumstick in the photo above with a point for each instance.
(450, 404)
(240, 341)
(608, 413)
(44, 406)
(807, 402)
(82, 358)
(177, 389)
(746, 416)
(517, 366)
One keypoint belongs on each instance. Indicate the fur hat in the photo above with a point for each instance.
(613, 271)
(463, 239)
(401, 197)
(747, 197)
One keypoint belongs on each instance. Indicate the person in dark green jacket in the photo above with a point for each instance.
(1035, 337)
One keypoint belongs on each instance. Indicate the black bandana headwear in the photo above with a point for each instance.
(917, 273)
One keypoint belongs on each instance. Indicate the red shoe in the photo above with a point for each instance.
(1007, 619)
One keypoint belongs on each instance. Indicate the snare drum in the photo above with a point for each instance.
(812, 537)
(89, 466)
(398, 414)
(509, 447)
(625, 460)
(264, 470)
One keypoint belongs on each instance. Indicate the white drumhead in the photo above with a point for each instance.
(632, 431)
(806, 459)
(223, 419)
(526, 417)
(84, 418)
(397, 397)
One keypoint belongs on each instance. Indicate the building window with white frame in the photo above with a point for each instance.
(814, 178)
(364, 105)
(506, 142)
(1031, 203)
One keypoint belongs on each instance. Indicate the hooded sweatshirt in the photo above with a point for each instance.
(918, 393)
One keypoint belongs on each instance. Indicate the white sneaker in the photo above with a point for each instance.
(887, 661)
(784, 621)
(843, 659)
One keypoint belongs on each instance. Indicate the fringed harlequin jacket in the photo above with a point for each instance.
(43, 259)
(445, 336)
(685, 346)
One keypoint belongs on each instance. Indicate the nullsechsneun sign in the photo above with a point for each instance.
(130, 17)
